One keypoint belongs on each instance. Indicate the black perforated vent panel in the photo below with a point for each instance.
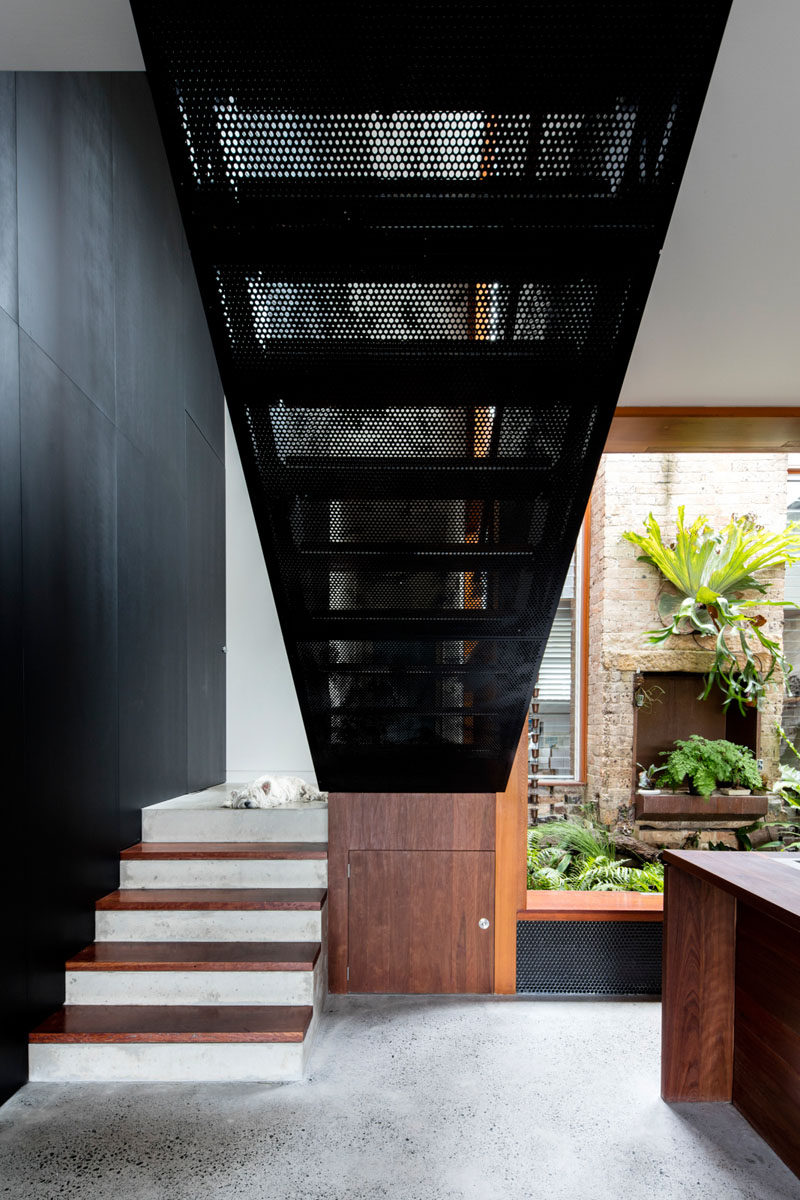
(596, 958)
(424, 235)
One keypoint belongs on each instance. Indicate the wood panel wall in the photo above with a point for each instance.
(766, 1079)
(698, 989)
(434, 821)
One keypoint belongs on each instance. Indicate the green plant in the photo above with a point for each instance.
(579, 855)
(710, 571)
(603, 874)
(707, 764)
(647, 775)
(787, 786)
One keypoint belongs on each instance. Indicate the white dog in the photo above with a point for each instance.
(275, 791)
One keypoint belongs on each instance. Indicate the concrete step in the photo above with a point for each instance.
(200, 817)
(172, 1043)
(224, 865)
(195, 973)
(211, 915)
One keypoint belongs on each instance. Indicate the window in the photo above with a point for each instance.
(562, 682)
(791, 621)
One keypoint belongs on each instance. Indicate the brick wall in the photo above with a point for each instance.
(624, 593)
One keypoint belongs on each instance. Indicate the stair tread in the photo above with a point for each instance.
(212, 899)
(196, 956)
(147, 851)
(83, 1023)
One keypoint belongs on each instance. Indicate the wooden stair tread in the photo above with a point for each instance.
(155, 851)
(196, 956)
(87, 1023)
(212, 899)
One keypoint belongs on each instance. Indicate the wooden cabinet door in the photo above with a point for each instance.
(414, 921)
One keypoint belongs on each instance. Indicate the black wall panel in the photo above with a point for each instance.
(66, 282)
(148, 260)
(69, 537)
(205, 611)
(14, 899)
(8, 195)
(152, 637)
(102, 531)
(201, 384)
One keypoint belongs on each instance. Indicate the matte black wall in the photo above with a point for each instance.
(112, 554)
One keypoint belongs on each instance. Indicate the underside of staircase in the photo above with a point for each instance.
(209, 961)
(424, 236)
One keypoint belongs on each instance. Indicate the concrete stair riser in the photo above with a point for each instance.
(228, 925)
(142, 1062)
(191, 987)
(161, 823)
(224, 873)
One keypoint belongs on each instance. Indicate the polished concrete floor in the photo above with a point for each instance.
(412, 1098)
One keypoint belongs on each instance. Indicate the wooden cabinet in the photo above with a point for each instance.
(730, 1007)
(414, 921)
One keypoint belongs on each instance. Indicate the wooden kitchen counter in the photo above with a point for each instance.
(731, 988)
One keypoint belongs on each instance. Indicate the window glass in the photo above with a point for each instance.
(791, 630)
(559, 683)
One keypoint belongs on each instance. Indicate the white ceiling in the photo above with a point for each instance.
(722, 325)
(68, 35)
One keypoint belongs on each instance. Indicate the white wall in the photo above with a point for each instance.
(265, 729)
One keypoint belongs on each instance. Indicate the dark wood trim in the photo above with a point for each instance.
(511, 822)
(671, 806)
(153, 851)
(212, 899)
(592, 906)
(123, 1023)
(196, 956)
(708, 429)
(697, 989)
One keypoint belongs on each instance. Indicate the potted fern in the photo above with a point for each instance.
(723, 775)
(710, 571)
(707, 764)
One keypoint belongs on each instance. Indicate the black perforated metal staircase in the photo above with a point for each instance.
(424, 235)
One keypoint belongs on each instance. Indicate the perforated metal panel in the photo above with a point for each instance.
(424, 234)
(596, 958)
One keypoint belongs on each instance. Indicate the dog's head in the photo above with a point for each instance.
(250, 796)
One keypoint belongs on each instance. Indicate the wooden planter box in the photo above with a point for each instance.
(672, 806)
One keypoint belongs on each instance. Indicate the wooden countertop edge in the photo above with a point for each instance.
(699, 863)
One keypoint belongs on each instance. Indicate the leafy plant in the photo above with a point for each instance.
(580, 856)
(603, 874)
(707, 764)
(787, 786)
(647, 776)
(709, 571)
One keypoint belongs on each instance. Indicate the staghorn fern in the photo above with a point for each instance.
(709, 570)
